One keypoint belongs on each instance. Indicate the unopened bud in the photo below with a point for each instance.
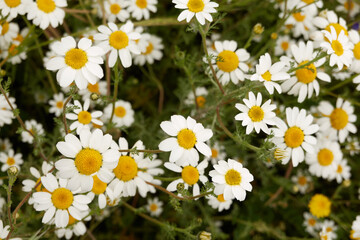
(94, 96)
(323, 13)
(180, 55)
(205, 235)
(347, 183)
(295, 189)
(2, 72)
(274, 36)
(13, 171)
(258, 29)
(180, 186)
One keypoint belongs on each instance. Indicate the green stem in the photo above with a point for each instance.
(320, 56)
(166, 179)
(342, 83)
(160, 87)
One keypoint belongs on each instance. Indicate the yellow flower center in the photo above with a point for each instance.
(99, 186)
(62, 198)
(337, 27)
(59, 104)
(149, 49)
(312, 222)
(220, 198)
(298, 16)
(76, 58)
(266, 76)
(306, 74)
(325, 157)
(232, 177)
(228, 61)
(118, 39)
(200, 101)
(302, 180)
(72, 220)
(339, 169)
(88, 161)
(190, 175)
(12, 3)
(347, 6)
(320, 206)
(126, 169)
(214, 153)
(120, 112)
(84, 117)
(357, 51)
(115, 8)
(153, 207)
(337, 47)
(5, 28)
(186, 138)
(10, 161)
(256, 114)
(294, 137)
(195, 5)
(47, 6)
(94, 88)
(141, 3)
(308, 1)
(339, 118)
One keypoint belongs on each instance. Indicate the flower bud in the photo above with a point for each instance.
(180, 186)
(94, 96)
(13, 171)
(205, 235)
(258, 29)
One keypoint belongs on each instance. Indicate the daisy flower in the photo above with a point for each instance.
(356, 80)
(190, 176)
(8, 31)
(330, 228)
(5, 144)
(98, 88)
(123, 113)
(116, 9)
(34, 127)
(98, 189)
(295, 136)
(349, 7)
(320, 206)
(355, 228)
(77, 228)
(186, 134)
(210, 43)
(311, 223)
(342, 172)
(4, 231)
(29, 184)
(256, 115)
(217, 153)
(6, 114)
(152, 52)
(302, 181)
(338, 47)
(120, 42)
(355, 39)
(80, 64)
(327, 20)
(352, 145)
(339, 120)
(304, 80)
(59, 201)
(154, 207)
(201, 9)
(282, 46)
(325, 235)
(231, 179)
(12, 53)
(10, 159)
(270, 73)
(85, 157)
(141, 8)
(230, 62)
(57, 104)
(219, 202)
(83, 117)
(46, 12)
(201, 93)
(13, 7)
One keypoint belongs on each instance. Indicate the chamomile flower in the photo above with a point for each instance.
(5, 145)
(6, 114)
(304, 80)
(120, 42)
(355, 39)
(219, 202)
(4, 231)
(123, 113)
(302, 181)
(270, 73)
(46, 12)
(325, 22)
(29, 184)
(10, 159)
(325, 235)
(57, 104)
(338, 47)
(352, 145)
(210, 43)
(342, 172)
(201, 9)
(320, 206)
(83, 117)
(230, 62)
(201, 94)
(154, 207)
(13, 8)
(34, 127)
(85, 157)
(98, 189)
(98, 88)
(231, 179)
(8, 31)
(355, 228)
(295, 135)
(256, 115)
(76, 62)
(349, 7)
(339, 120)
(140, 9)
(217, 153)
(59, 201)
(116, 9)
(152, 52)
(282, 46)
(190, 176)
(330, 228)
(311, 223)
(77, 228)
(186, 134)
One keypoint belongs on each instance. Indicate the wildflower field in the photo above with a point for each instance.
(182, 119)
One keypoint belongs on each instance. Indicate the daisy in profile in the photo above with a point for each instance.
(339, 120)
(79, 62)
(85, 157)
(190, 176)
(231, 179)
(201, 9)
(98, 189)
(123, 113)
(342, 172)
(219, 202)
(349, 7)
(34, 127)
(116, 9)
(57, 104)
(59, 201)
(77, 228)
(217, 152)
(140, 9)
(29, 184)
(355, 228)
(295, 136)
(5, 144)
(46, 12)
(282, 46)
(185, 135)
(8, 31)
(201, 94)
(270, 73)
(13, 8)
(255, 115)
(83, 117)
(304, 81)
(320, 206)
(355, 39)
(119, 41)
(154, 206)
(10, 159)
(302, 181)
(4, 231)
(338, 47)
(311, 224)
(152, 52)
(6, 114)
(230, 62)
(352, 145)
